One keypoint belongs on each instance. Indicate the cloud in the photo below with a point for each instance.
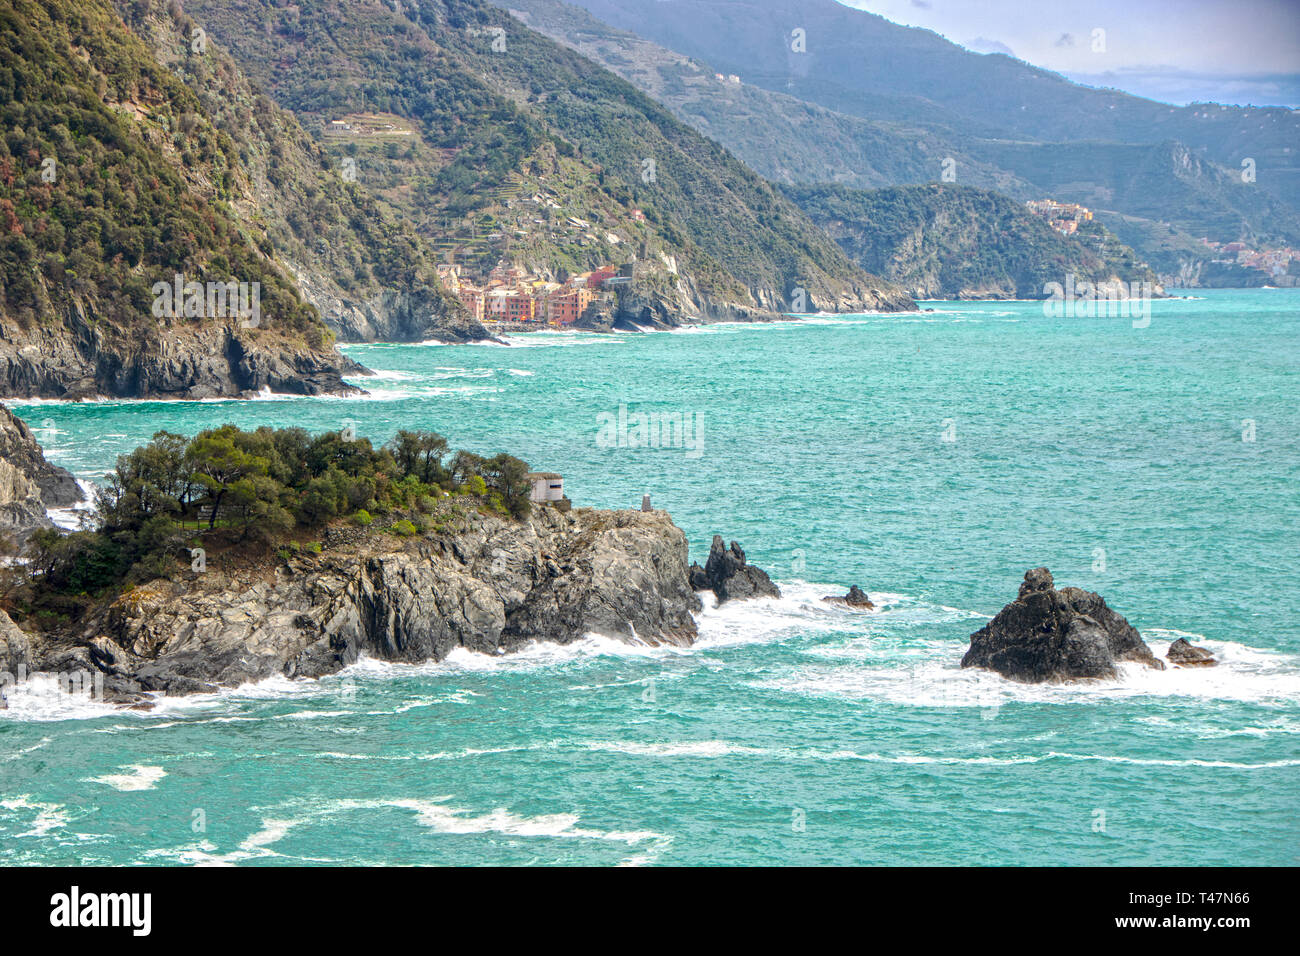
(1065, 39)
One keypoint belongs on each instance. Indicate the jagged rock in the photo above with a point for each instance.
(597, 317)
(15, 656)
(1185, 654)
(1051, 635)
(855, 598)
(727, 575)
(28, 483)
(492, 587)
(418, 315)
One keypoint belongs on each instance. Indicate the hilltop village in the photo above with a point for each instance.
(1064, 217)
(509, 295)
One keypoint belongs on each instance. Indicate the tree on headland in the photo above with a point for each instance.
(420, 453)
(220, 465)
(248, 489)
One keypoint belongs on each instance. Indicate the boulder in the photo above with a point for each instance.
(855, 598)
(729, 576)
(1184, 654)
(1047, 634)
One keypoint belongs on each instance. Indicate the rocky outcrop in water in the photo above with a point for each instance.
(1184, 654)
(28, 483)
(492, 586)
(1051, 635)
(856, 598)
(639, 309)
(729, 576)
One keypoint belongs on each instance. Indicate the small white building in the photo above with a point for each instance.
(547, 486)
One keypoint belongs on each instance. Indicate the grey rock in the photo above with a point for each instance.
(28, 483)
(729, 576)
(856, 598)
(71, 358)
(1185, 654)
(1051, 635)
(493, 587)
(412, 315)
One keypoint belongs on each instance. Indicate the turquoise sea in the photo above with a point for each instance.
(931, 458)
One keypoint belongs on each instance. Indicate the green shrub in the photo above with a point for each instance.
(363, 518)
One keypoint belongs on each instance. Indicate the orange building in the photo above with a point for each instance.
(520, 307)
(564, 308)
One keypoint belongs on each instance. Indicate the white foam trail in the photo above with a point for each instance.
(934, 678)
(41, 698)
(390, 375)
(433, 813)
(72, 517)
(555, 340)
(688, 748)
(46, 816)
(141, 777)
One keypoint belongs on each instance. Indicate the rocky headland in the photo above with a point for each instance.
(187, 361)
(486, 583)
(1054, 635)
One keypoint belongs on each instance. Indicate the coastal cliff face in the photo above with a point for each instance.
(28, 483)
(670, 301)
(491, 586)
(391, 315)
(180, 361)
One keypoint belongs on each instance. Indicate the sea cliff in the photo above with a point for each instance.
(488, 584)
(28, 483)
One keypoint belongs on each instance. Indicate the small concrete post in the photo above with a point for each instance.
(645, 503)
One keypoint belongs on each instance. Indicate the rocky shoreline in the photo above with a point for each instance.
(492, 586)
(29, 485)
(480, 581)
(190, 363)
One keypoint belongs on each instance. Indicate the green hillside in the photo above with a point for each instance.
(499, 130)
(112, 178)
(347, 252)
(942, 242)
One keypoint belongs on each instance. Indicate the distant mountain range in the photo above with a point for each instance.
(814, 92)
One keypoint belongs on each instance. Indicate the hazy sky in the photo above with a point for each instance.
(1232, 51)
